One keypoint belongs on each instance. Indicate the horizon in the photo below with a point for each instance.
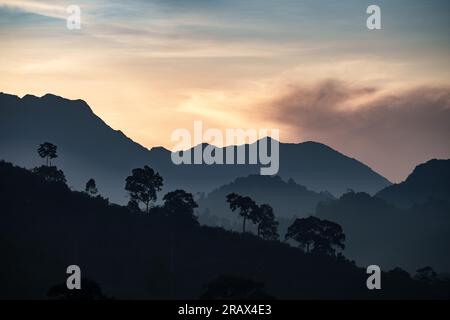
(311, 69)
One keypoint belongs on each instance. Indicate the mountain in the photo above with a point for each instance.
(405, 224)
(430, 180)
(89, 148)
(378, 232)
(287, 198)
(46, 227)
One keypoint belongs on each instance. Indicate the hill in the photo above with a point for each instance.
(380, 233)
(430, 180)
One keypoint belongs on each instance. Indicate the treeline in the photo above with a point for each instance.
(311, 234)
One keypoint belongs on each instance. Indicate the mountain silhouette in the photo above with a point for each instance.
(378, 232)
(430, 180)
(89, 148)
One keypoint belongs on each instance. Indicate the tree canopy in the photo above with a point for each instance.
(316, 235)
(180, 205)
(91, 187)
(246, 206)
(143, 185)
(267, 225)
(47, 150)
(50, 174)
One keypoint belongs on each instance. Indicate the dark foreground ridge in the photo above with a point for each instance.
(47, 227)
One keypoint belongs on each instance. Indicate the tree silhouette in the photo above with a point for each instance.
(50, 174)
(267, 225)
(331, 237)
(235, 288)
(316, 235)
(143, 185)
(91, 188)
(247, 207)
(180, 204)
(47, 150)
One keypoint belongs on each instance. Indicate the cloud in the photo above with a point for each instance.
(44, 9)
(390, 131)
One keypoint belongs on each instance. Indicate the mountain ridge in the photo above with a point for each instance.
(89, 148)
(428, 180)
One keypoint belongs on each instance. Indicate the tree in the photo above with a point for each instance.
(267, 225)
(50, 174)
(247, 207)
(180, 204)
(316, 235)
(91, 188)
(47, 150)
(331, 237)
(143, 185)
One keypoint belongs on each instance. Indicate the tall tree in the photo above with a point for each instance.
(47, 150)
(91, 188)
(143, 185)
(180, 204)
(314, 234)
(267, 225)
(247, 207)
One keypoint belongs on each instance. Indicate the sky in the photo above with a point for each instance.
(309, 68)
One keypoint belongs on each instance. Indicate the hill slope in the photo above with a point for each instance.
(46, 227)
(380, 233)
(430, 180)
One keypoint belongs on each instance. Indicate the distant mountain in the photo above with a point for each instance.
(288, 199)
(89, 148)
(430, 180)
(380, 233)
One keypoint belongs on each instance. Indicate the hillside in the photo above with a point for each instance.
(46, 227)
(430, 180)
(378, 232)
